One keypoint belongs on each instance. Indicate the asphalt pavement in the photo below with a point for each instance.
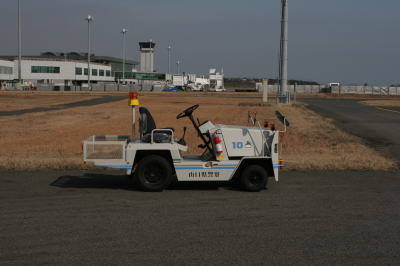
(379, 127)
(89, 102)
(75, 218)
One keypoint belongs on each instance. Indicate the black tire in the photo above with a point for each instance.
(254, 178)
(153, 173)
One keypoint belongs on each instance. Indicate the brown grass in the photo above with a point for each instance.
(347, 96)
(388, 102)
(53, 139)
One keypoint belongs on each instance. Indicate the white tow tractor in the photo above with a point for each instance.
(248, 155)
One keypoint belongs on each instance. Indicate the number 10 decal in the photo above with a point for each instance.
(237, 145)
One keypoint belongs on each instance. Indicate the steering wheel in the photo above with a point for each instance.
(187, 112)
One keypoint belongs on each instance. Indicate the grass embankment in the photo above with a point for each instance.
(53, 139)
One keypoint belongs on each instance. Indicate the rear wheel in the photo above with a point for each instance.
(254, 178)
(153, 173)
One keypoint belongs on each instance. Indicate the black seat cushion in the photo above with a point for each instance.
(158, 137)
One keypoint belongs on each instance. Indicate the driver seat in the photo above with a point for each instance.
(147, 125)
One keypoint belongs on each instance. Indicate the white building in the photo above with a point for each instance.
(6, 73)
(6, 70)
(216, 80)
(60, 69)
(60, 73)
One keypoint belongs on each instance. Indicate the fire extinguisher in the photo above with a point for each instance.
(218, 145)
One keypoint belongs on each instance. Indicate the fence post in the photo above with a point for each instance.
(265, 90)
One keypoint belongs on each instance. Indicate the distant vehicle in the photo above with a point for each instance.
(216, 80)
(259, 86)
(179, 80)
(201, 84)
(334, 84)
(333, 87)
(173, 89)
(220, 89)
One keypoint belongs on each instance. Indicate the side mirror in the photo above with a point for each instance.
(282, 118)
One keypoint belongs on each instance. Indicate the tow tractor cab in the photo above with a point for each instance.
(154, 160)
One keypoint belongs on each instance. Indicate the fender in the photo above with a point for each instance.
(265, 162)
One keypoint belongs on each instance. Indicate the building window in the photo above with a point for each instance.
(86, 71)
(94, 72)
(101, 73)
(141, 76)
(6, 70)
(108, 73)
(78, 71)
(45, 69)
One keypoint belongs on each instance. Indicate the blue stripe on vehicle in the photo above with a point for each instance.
(201, 165)
(179, 167)
(205, 168)
(208, 168)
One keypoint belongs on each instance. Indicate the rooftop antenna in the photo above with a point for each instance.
(283, 61)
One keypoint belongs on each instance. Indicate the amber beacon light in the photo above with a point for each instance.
(133, 99)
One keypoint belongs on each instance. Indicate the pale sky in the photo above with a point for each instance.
(350, 41)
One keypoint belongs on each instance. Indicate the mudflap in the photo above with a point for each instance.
(275, 156)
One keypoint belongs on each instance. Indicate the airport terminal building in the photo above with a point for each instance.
(70, 71)
(6, 73)
(61, 70)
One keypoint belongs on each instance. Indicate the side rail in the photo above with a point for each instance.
(105, 148)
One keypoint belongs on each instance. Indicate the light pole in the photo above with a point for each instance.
(177, 66)
(19, 45)
(124, 31)
(169, 59)
(283, 64)
(89, 19)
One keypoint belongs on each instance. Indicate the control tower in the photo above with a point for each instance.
(147, 56)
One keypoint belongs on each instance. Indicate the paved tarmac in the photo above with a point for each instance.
(90, 102)
(308, 218)
(320, 218)
(379, 127)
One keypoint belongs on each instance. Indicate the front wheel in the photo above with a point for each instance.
(254, 178)
(153, 173)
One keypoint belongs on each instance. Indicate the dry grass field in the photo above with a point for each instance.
(53, 139)
(349, 96)
(386, 102)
